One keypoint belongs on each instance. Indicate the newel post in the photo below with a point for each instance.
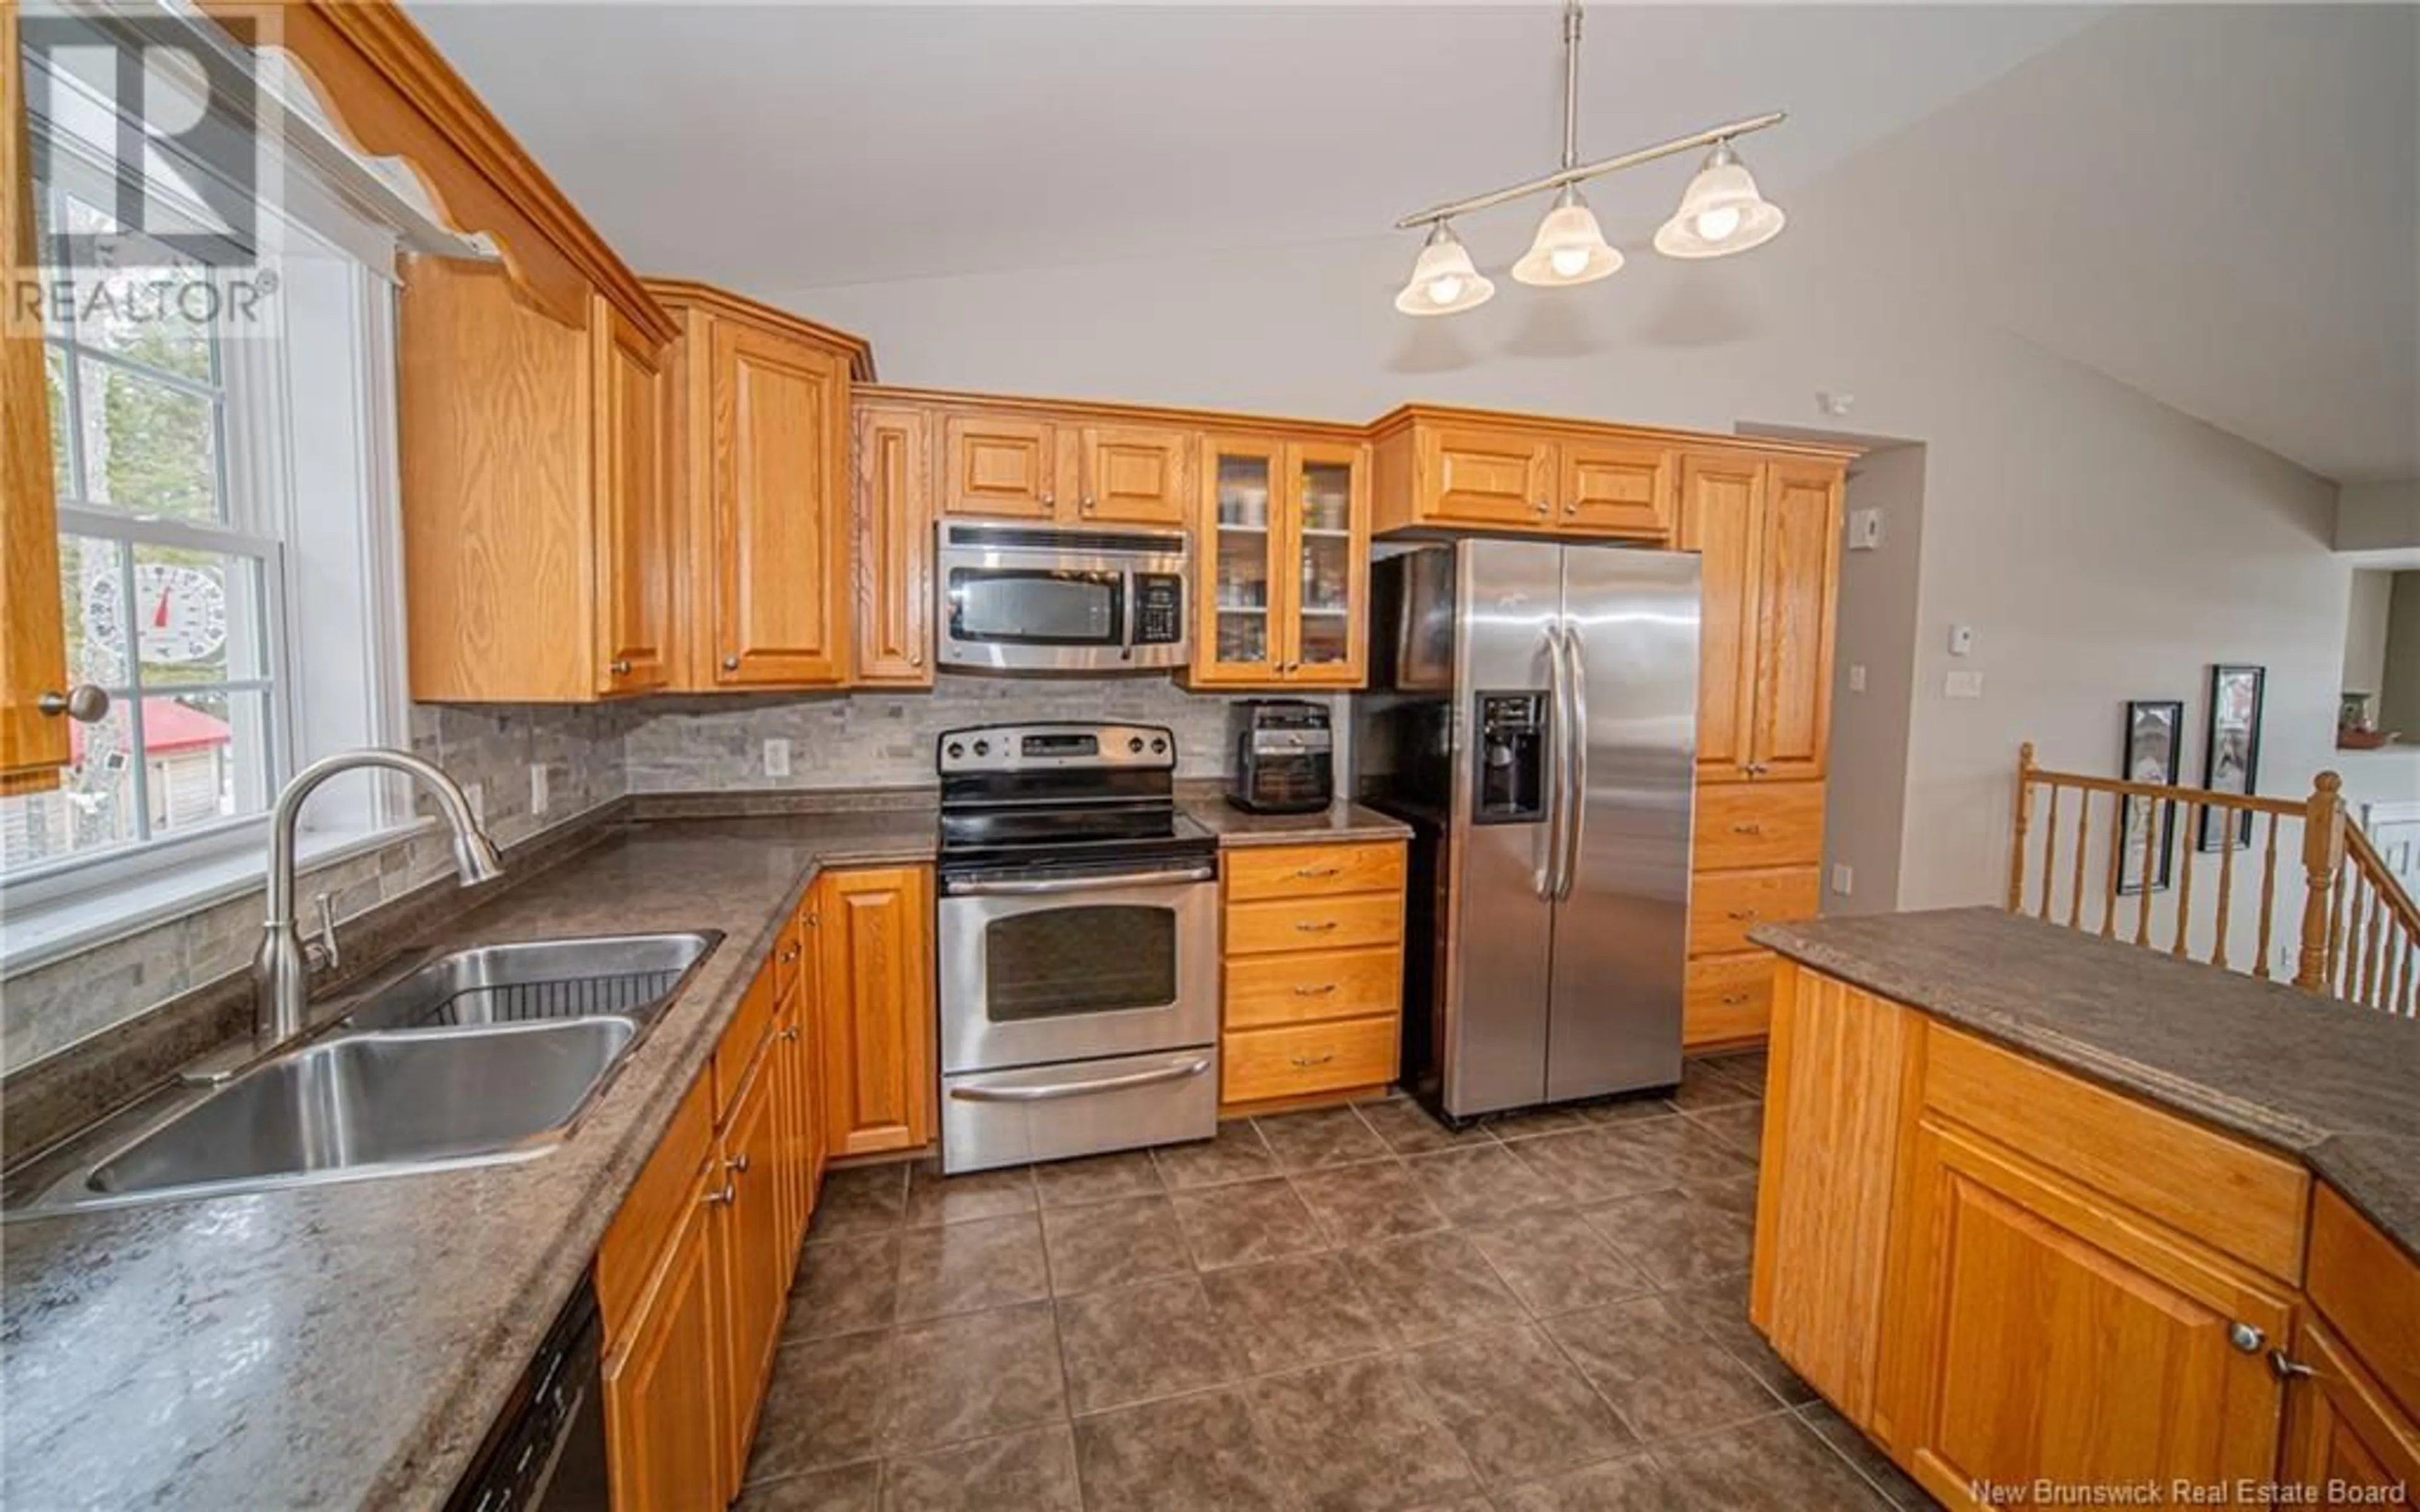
(2323, 848)
(2024, 818)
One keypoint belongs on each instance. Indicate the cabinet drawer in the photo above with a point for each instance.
(1724, 906)
(1313, 871)
(2370, 1290)
(1314, 924)
(651, 1212)
(1726, 997)
(789, 956)
(1744, 825)
(1311, 985)
(747, 1031)
(2245, 1202)
(1261, 1064)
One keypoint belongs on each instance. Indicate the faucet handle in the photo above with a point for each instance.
(323, 952)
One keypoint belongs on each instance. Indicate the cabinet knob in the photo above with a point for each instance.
(84, 704)
(621, 665)
(1088, 504)
(791, 1033)
(1049, 498)
(721, 1198)
(916, 659)
(2246, 1339)
(1570, 509)
(731, 662)
(1544, 508)
(738, 1163)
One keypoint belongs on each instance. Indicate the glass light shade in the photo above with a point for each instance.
(1443, 280)
(1720, 213)
(1569, 249)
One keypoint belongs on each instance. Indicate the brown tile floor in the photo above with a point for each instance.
(1319, 1312)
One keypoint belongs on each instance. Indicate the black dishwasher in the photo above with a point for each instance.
(547, 1451)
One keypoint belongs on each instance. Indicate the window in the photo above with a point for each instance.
(227, 526)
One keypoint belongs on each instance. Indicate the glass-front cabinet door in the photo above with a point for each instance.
(1329, 547)
(1236, 629)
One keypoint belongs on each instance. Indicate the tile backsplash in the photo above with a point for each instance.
(591, 756)
(876, 739)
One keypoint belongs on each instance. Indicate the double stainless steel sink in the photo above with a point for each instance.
(472, 1057)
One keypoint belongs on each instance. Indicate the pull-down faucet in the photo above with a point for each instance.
(281, 972)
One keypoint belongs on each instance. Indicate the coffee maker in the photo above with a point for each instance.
(1281, 756)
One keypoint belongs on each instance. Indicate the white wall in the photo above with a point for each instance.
(1865, 804)
(2105, 546)
(2364, 659)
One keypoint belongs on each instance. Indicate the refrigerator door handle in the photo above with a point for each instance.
(1577, 745)
(1550, 875)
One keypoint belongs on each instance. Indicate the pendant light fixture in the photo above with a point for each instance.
(1444, 280)
(1720, 213)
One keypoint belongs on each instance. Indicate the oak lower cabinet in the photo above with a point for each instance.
(668, 1444)
(1315, 965)
(538, 551)
(34, 744)
(761, 491)
(874, 932)
(2355, 1414)
(757, 1253)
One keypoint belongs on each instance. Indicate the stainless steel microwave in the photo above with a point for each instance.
(1042, 598)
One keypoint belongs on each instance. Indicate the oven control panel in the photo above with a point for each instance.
(1031, 748)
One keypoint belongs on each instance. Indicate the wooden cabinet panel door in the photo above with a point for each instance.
(33, 637)
(792, 1113)
(1485, 477)
(2045, 1332)
(2343, 1428)
(877, 1009)
(667, 1423)
(634, 524)
(1616, 489)
(780, 428)
(1798, 570)
(1323, 573)
(1135, 475)
(999, 464)
(1238, 535)
(895, 548)
(756, 1259)
(1722, 508)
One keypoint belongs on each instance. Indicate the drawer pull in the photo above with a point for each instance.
(789, 956)
(1307, 1062)
(1742, 913)
(1734, 1000)
(1317, 871)
(1320, 990)
(738, 1163)
(721, 1198)
(1747, 829)
(1306, 927)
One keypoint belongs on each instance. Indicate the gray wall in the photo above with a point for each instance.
(1864, 810)
(2398, 702)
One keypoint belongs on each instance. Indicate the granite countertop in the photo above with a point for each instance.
(2336, 1085)
(1340, 821)
(349, 1345)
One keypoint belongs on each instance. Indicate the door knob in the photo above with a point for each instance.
(84, 704)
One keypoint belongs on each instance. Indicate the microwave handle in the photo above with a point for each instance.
(1133, 613)
(1130, 879)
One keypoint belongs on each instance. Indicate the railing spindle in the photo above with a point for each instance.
(2335, 974)
(2083, 834)
(2116, 861)
(2268, 899)
(2023, 818)
(2185, 881)
(2323, 853)
(2374, 907)
(2226, 891)
(2050, 853)
(2143, 898)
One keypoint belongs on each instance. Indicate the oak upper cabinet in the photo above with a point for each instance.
(537, 543)
(1058, 464)
(1768, 534)
(873, 932)
(1283, 532)
(1442, 468)
(761, 467)
(34, 742)
(895, 547)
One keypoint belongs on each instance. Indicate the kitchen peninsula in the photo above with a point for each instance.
(2040, 1206)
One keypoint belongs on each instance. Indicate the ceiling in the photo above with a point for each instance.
(2238, 262)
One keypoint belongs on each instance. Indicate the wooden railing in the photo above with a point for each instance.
(2356, 931)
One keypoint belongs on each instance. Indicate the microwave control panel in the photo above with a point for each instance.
(1159, 609)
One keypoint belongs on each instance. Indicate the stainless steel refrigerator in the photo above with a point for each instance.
(1533, 713)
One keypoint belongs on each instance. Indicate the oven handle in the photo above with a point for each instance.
(1130, 879)
(1056, 1090)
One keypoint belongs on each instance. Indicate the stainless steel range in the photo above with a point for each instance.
(1079, 946)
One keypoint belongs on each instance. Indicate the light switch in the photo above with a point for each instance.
(1857, 677)
(777, 758)
(1844, 879)
(1963, 686)
(1865, 530)
(537, 788)
(1961, 640)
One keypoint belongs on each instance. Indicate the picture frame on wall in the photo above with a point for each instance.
(2230, 752)
(2154, 738)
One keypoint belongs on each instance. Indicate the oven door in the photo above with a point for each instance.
(1075, 969)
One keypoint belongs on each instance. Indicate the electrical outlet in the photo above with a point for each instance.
(1857, 677)
(1963, 686)
(777, 758)
(1844, 880)
(537, 788)
(477, 794)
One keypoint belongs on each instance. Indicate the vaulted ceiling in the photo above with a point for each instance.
(2220, 206)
